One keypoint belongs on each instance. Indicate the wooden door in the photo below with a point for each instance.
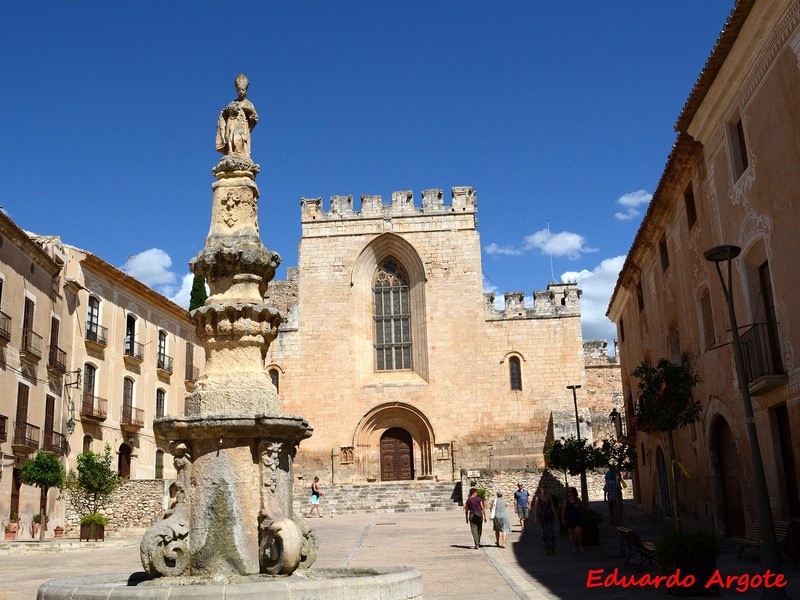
(397, 461)
(730, 474)
(124, 463)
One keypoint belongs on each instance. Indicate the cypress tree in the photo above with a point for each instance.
(199, 295)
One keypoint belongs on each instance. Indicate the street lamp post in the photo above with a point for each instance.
(769, 545)
(584, 487)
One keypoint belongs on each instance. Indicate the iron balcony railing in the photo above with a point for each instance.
(164, 363)
(96, 333)
(5, 327)
(57, 359)
(134, 350)
(31, 343)
(56, 442)
(761, 349)
(26, 435)
(133, 417)
(192, 373)
(93, 407)
(3, 428)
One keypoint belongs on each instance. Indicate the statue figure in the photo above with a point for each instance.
(235, 123)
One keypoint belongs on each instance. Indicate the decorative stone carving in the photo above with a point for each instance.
(164, 549)
(234, 126)
(280, 544)
(270, 458)
(236, 121)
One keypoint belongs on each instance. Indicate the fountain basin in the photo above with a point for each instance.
(378, 583)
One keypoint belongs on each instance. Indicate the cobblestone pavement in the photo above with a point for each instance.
(438, 544)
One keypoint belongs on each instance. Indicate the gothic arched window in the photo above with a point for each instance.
(515, 373)
(392, 317)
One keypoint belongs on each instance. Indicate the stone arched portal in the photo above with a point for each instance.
(394, 423)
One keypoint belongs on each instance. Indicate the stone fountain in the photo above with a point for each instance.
(231, 530)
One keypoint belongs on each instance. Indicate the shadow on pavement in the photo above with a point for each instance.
(565, 575)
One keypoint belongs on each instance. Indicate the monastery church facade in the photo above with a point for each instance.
(395, 355)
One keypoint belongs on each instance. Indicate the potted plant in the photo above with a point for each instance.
(693, 553)
(93, 526)
(58, 531)
(44, 471)
(590, 523)
(37, 523)
(665, 402)
(89, 490)
(12, 527)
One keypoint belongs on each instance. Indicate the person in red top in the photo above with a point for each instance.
(475, 513)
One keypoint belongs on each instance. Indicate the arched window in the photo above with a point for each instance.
(159, 464)
(89, 373)
(160, 402)
(162, 359)
(87, 443)
(392, 317)
(89, 404)
(515, 373)
(276, 379)
(93, 319)
(130, 336)
(127, 400)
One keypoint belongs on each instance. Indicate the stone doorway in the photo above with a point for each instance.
(394, 442)
(124, 461)
(397, 455)
(729, 473)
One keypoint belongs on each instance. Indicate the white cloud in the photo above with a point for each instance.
(563, 243)
(631, 203)
(182, 297)
(597, 286)
(507, 250)
(151, 267)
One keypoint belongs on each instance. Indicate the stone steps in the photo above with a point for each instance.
(382, 497)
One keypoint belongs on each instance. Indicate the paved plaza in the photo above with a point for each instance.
(437, 544)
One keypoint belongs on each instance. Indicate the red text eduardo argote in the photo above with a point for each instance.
(599, 578)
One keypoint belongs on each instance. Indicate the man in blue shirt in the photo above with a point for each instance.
(523, 501)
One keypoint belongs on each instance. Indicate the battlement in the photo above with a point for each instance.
(558, 300)
(463, 201)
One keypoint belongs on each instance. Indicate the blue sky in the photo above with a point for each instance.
(557, 113)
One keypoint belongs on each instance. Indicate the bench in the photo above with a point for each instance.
(787, 534)
(637, 547)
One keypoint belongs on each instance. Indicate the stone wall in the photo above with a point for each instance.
(136, 504)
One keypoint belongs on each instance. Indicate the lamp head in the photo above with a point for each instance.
(722, 253)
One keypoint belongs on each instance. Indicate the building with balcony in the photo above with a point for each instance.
(34, 319)
(732, 178)
(89, 356)
(127, 343)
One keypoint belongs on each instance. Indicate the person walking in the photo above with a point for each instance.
(544, 517)
(612, 493)
(475, 513)
(500, 523)
(315, 494)
(571, 515)
(522, 499)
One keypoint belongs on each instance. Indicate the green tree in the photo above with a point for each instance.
(621, 456)
(45, 472)
(569, 455)
(95, 481)
(199, 295)
(665, 402)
